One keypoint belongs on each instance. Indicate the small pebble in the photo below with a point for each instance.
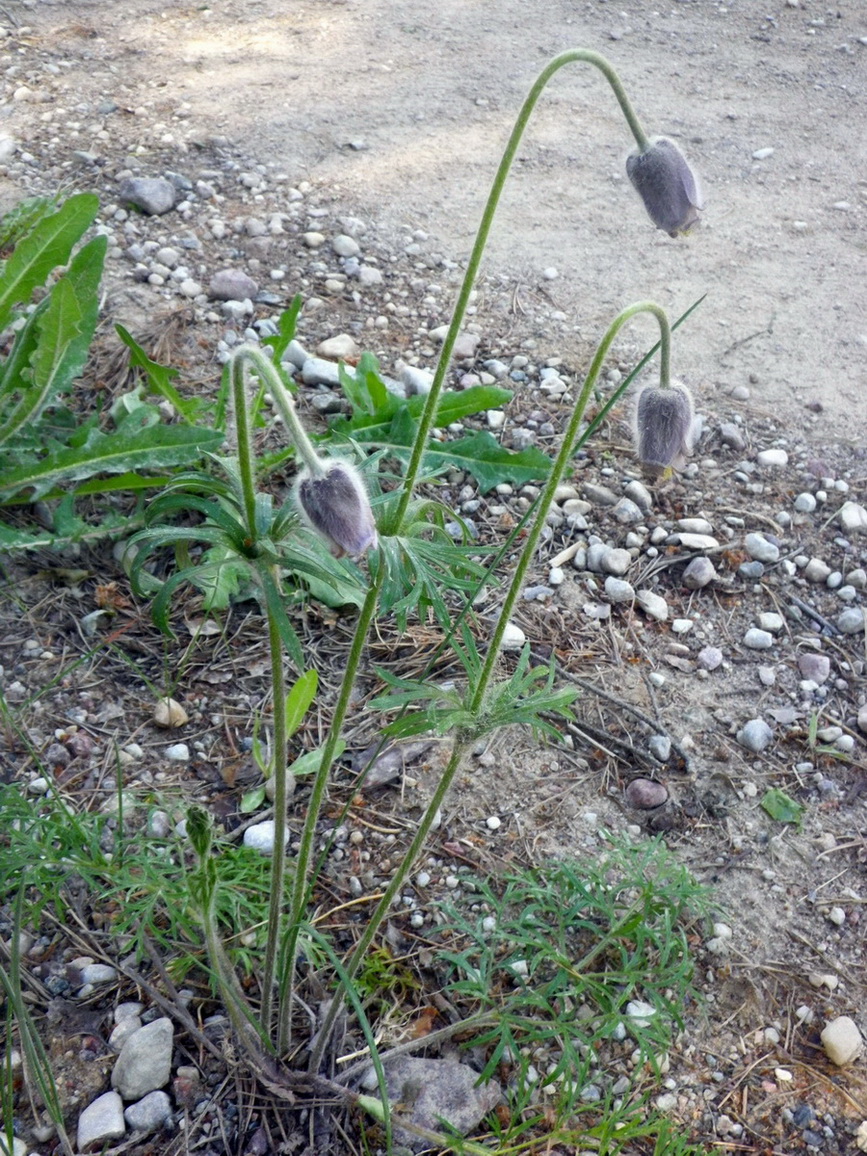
(852, 621)
(756, 639)
(755, 735)
(710, 658)
(760, 549)
(816, 570)
(772, 457)
(653, 605)
(699, 573)
(842, 1040)
(645, 794)
(260, 837)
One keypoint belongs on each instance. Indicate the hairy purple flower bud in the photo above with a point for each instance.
(663, 428)
(662, 177)
(336, 505)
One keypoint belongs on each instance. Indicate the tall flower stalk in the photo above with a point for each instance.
(463, 740)
(574, 55)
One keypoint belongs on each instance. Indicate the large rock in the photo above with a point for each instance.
(145, 1060)
(101, 1121)
(153, 195)
(433, 1091)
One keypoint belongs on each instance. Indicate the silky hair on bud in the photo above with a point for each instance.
(663, 430)
(666, 183)
(335, 504)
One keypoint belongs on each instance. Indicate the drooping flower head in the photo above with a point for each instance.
(335, 503)
(662, 177)
(664, 427)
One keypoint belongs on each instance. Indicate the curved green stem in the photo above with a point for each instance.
(250, 354)
(556, 476)
(429, 415)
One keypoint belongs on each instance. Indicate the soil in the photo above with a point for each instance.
(396, 115)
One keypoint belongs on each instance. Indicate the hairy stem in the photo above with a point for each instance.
(556, 476)
(429, 415)
(281, 795)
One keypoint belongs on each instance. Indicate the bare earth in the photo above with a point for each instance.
(396, 114)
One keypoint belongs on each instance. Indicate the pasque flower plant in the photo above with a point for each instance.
(331, 497)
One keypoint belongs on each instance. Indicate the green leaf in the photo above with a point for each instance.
(364, 387)
(43, 249)
(159, 378)
(156, 448)
(310, 762)
(286, 326)
(299, 700)
(252, 800)
(481, 455)
(782, 807)
(52, 348)
(370, 426)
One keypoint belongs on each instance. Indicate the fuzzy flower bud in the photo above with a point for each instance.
(663, 428)
(336, 505)
(662, 177)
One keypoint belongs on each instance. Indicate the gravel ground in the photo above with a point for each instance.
(709, 621)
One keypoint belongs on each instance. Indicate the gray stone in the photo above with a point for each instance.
(368, 276)
(862, 719)
(616, 590)
(853, 518)
(98, 973)
(436, 1091)
(645, 794)
(815, 667)
(317, 371)
(595, 553)
(150, 1113)
(465, 346)
(653, 605)
(598, 495)
(260, 837)
(699, 573)
(697, 541)
(851, 621)
(637, 492)
(694, 525)
(418, 382)
(295, 354)
(627, 512)
(101, 1121)
(759, 548)
(731, 435)
(772, 457)
(152, 195)
(232, 285)
(660, 747)
(842, 1040)
(817, 571)
(616, 562)
(341, 347)
(755, 735)
(145, 1060)
(769, 621)
(805, 503)
(345, 246)
(756, 639)
(709, 658)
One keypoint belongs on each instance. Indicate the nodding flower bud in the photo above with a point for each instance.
(663, 428)
(336, 505)
(662, 177)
